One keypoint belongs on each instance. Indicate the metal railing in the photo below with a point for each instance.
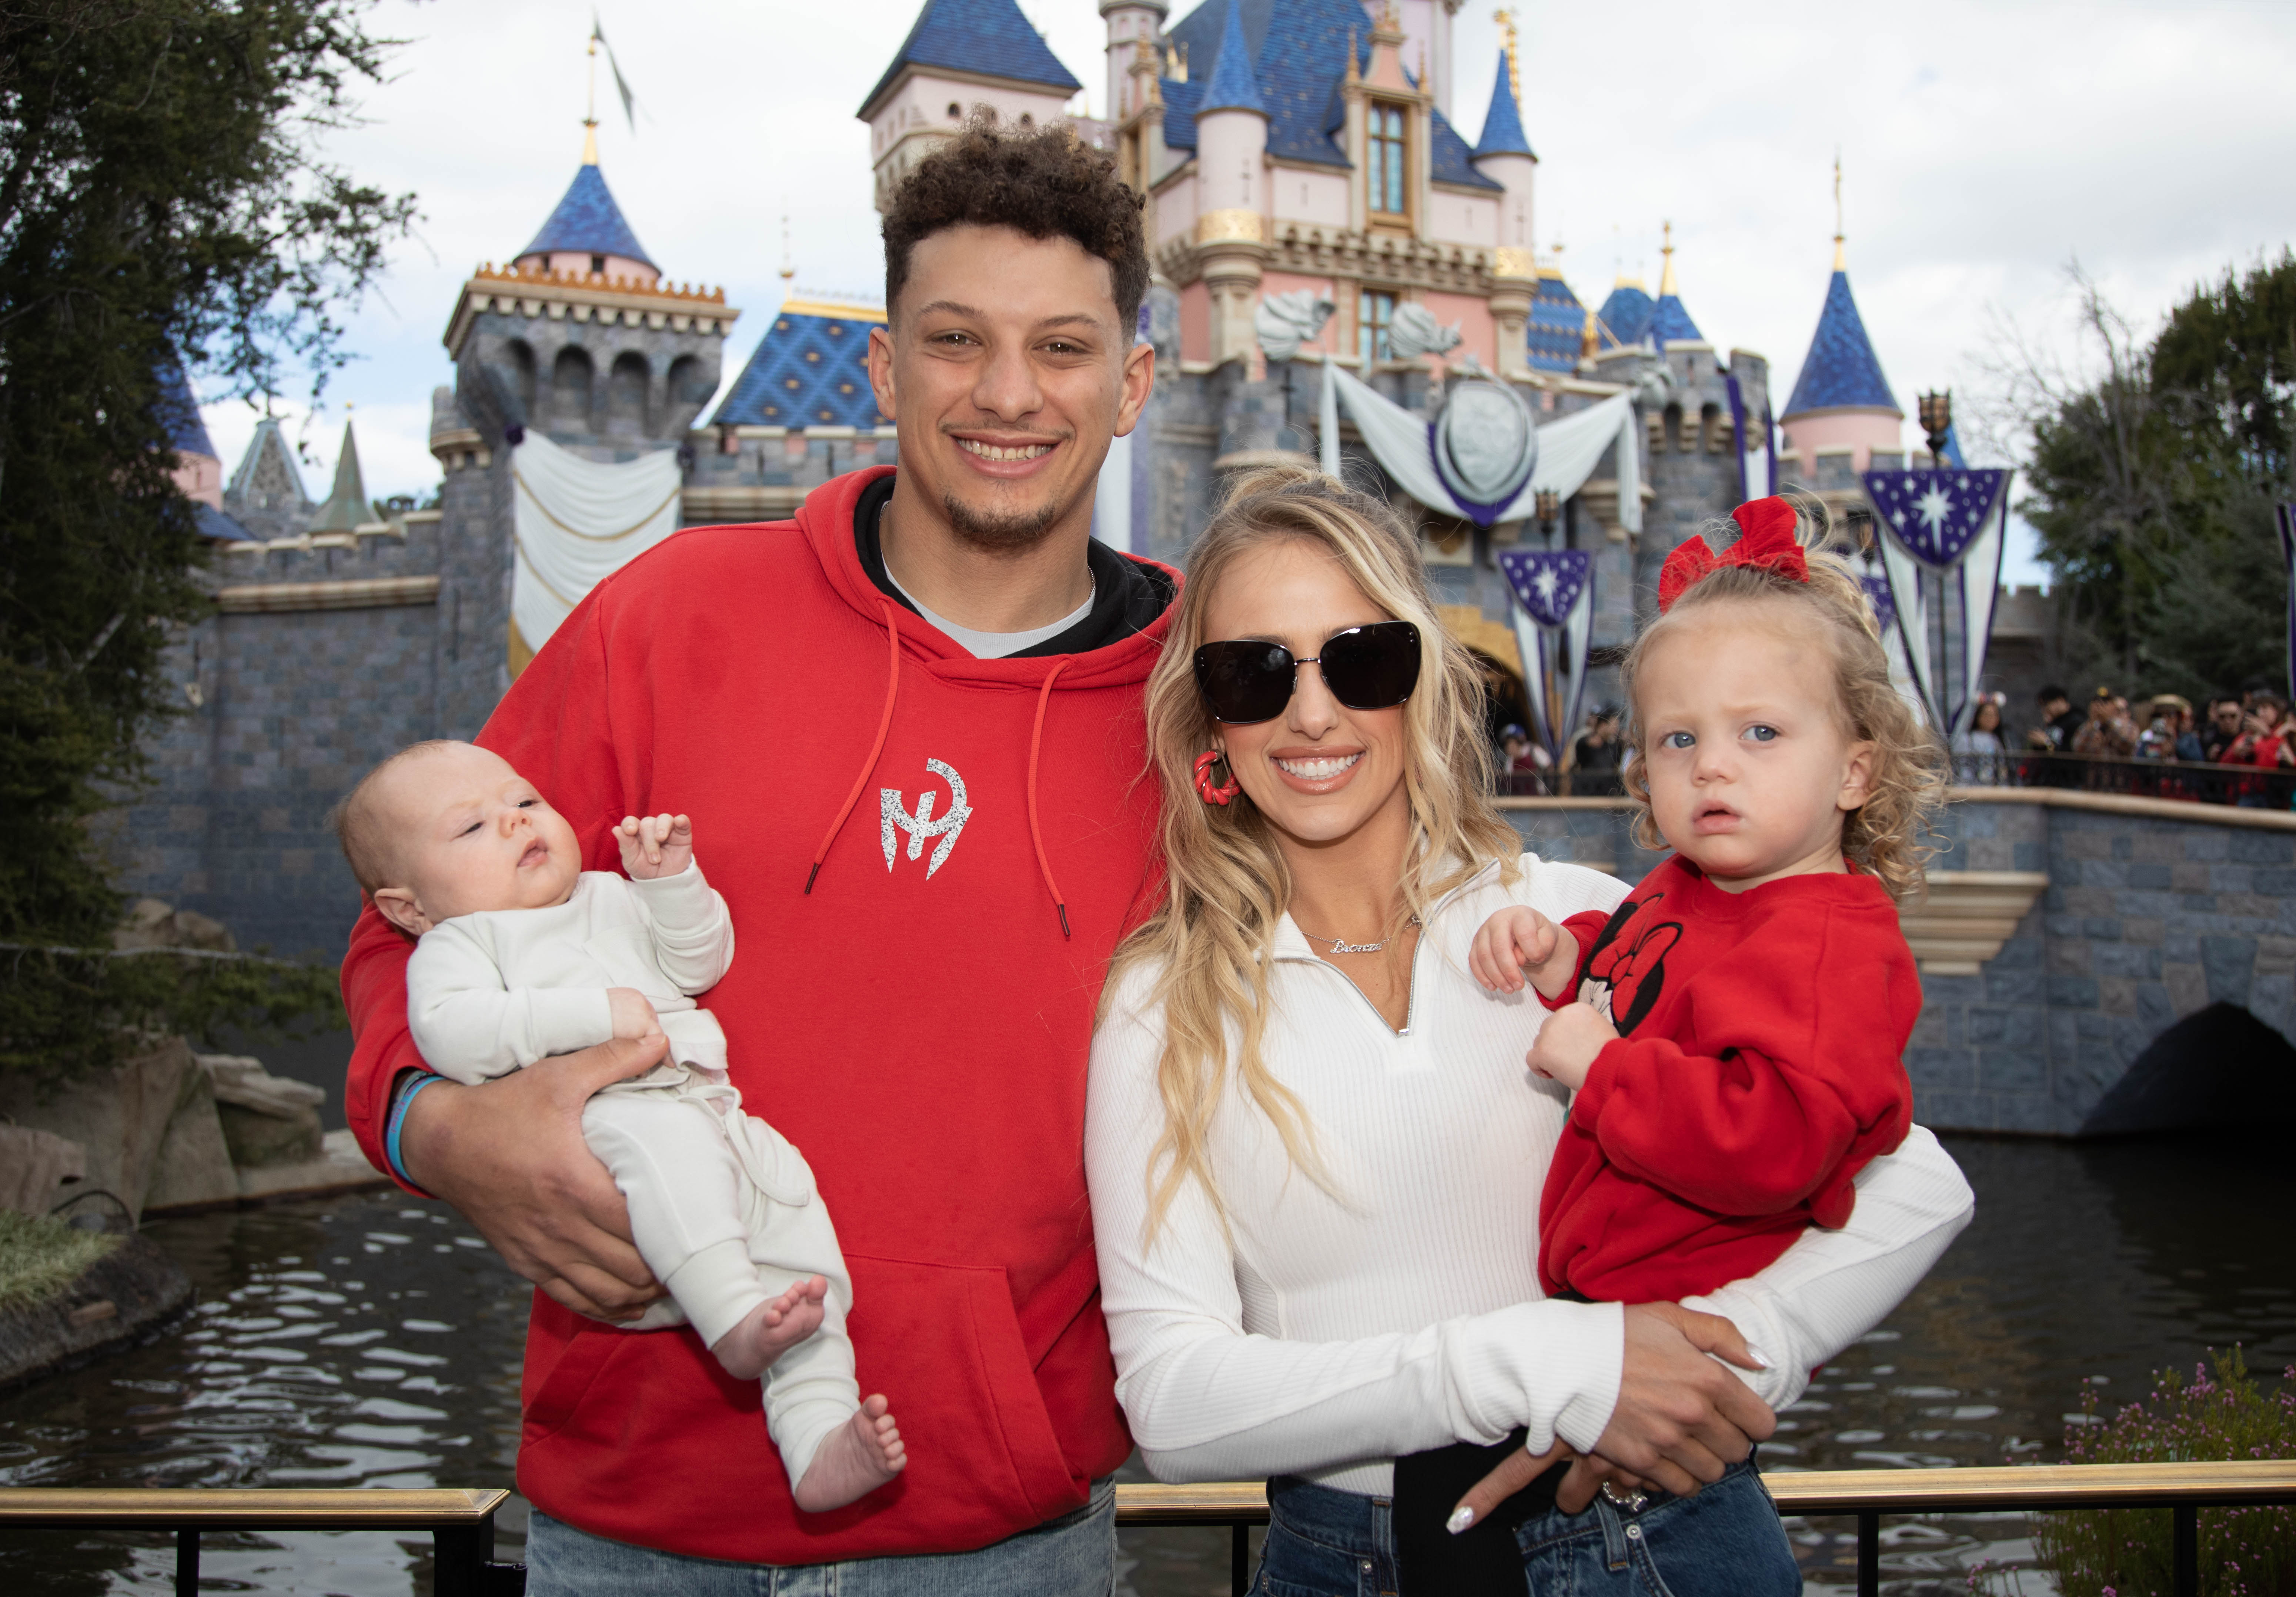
(2192, 780)
(461, 1523)
(2252, 787)
(1865, 1495)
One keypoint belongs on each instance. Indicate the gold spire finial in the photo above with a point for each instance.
(789, 266)
(1505, 20)
(1840, 256)
(1666, 273)
(590, 117)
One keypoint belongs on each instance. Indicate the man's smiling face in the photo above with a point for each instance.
(1007, 372)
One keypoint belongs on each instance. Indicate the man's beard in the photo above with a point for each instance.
(1000, 535)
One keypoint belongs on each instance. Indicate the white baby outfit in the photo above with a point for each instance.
(722, 1207)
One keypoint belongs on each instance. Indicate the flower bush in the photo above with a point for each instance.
(2125, 1552)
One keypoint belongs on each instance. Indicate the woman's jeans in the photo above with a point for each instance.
(1725, 1541)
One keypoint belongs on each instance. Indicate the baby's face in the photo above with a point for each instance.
(473, 834)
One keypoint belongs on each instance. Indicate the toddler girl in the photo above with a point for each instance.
(1733, 1033)
(522, 954)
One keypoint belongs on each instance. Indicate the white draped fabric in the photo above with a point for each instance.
(1981, 586)
(579, 522)
(1910, 594)
(1568, 450)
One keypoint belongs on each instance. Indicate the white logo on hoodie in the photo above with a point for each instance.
(922, 825)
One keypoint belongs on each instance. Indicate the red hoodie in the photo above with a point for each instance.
(917, 1024)
(1758, 1069)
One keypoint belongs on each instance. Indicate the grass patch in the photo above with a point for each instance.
(40, 1257)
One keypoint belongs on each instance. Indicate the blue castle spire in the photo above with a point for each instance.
(1503, 132)
(1234, 86)
(1628, 312)
(1841, 371)
(587, 222)
(989, 38)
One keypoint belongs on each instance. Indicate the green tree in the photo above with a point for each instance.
(162, 190)
(2151, 481)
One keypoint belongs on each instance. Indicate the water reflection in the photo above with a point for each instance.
(375, 1341)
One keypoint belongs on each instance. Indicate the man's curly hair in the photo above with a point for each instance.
(1045, 182)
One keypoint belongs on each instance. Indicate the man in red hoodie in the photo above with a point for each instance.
(910, 723)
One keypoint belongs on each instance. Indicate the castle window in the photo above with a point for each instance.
(1027, 120)
(1373, 312)
(955, 111)
(597, 265)
(1384, 164)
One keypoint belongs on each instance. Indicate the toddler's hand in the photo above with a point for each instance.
(632, 1014)
(655, 846)
(1518, 939)
(1568, 1044)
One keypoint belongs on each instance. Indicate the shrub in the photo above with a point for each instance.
(2125, 1552)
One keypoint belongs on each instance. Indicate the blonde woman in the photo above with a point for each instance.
(1314, 1150)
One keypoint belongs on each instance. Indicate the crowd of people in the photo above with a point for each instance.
(1590, 766)
(2252, 728)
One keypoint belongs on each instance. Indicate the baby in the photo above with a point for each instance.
(523, 954)
(1735, 1045)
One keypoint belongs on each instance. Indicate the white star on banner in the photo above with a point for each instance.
(1934, 507)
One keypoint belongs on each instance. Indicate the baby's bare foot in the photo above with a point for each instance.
(771, 1329)
(854, 1460)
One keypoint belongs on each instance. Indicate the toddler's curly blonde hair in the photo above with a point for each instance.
(1885, 836)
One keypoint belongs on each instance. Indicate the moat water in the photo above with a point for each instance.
(374, 1341)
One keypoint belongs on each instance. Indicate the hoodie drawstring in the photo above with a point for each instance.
(884, 725)
(1036, 832)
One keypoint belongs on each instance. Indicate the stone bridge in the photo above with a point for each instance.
(2092, 964)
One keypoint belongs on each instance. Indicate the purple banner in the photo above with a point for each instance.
(1936, 515)
(1546, 581)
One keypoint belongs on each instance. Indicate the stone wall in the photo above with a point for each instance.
(2149, 988)
(2156, 915)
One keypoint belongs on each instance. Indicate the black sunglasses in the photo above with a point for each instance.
(1365, 668)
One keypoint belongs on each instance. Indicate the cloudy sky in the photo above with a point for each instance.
(1985, 146)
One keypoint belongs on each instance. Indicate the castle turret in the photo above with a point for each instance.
(347, 508)
(199, 468)
(1670, 320)
(1627, 313)
(1503, 155)
(1231, 161)
(960, 55)
(1131, 23)
(1841, 410)
(586, 236)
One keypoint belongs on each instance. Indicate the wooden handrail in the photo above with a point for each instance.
(2242, 1483)
(248, 1508)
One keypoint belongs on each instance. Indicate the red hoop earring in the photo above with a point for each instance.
(1227, 791)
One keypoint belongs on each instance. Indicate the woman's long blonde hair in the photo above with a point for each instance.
(1225, 883)
(1886, 836)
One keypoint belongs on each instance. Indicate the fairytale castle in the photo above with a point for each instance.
(1304, 149)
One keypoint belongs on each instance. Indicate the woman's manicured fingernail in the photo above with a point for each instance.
(1760, 1357)
(1461, 1517)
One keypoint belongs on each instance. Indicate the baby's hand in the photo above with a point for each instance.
(632, 1014)
(655, 845)
(1518, 939)
(1568, 1044)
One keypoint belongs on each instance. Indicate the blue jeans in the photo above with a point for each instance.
(1073, 1556)
(1725, 1542)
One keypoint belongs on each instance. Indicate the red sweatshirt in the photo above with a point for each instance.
(917, 1024)
(1758, 1067)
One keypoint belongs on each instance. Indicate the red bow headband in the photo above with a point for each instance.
(1768, 542)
